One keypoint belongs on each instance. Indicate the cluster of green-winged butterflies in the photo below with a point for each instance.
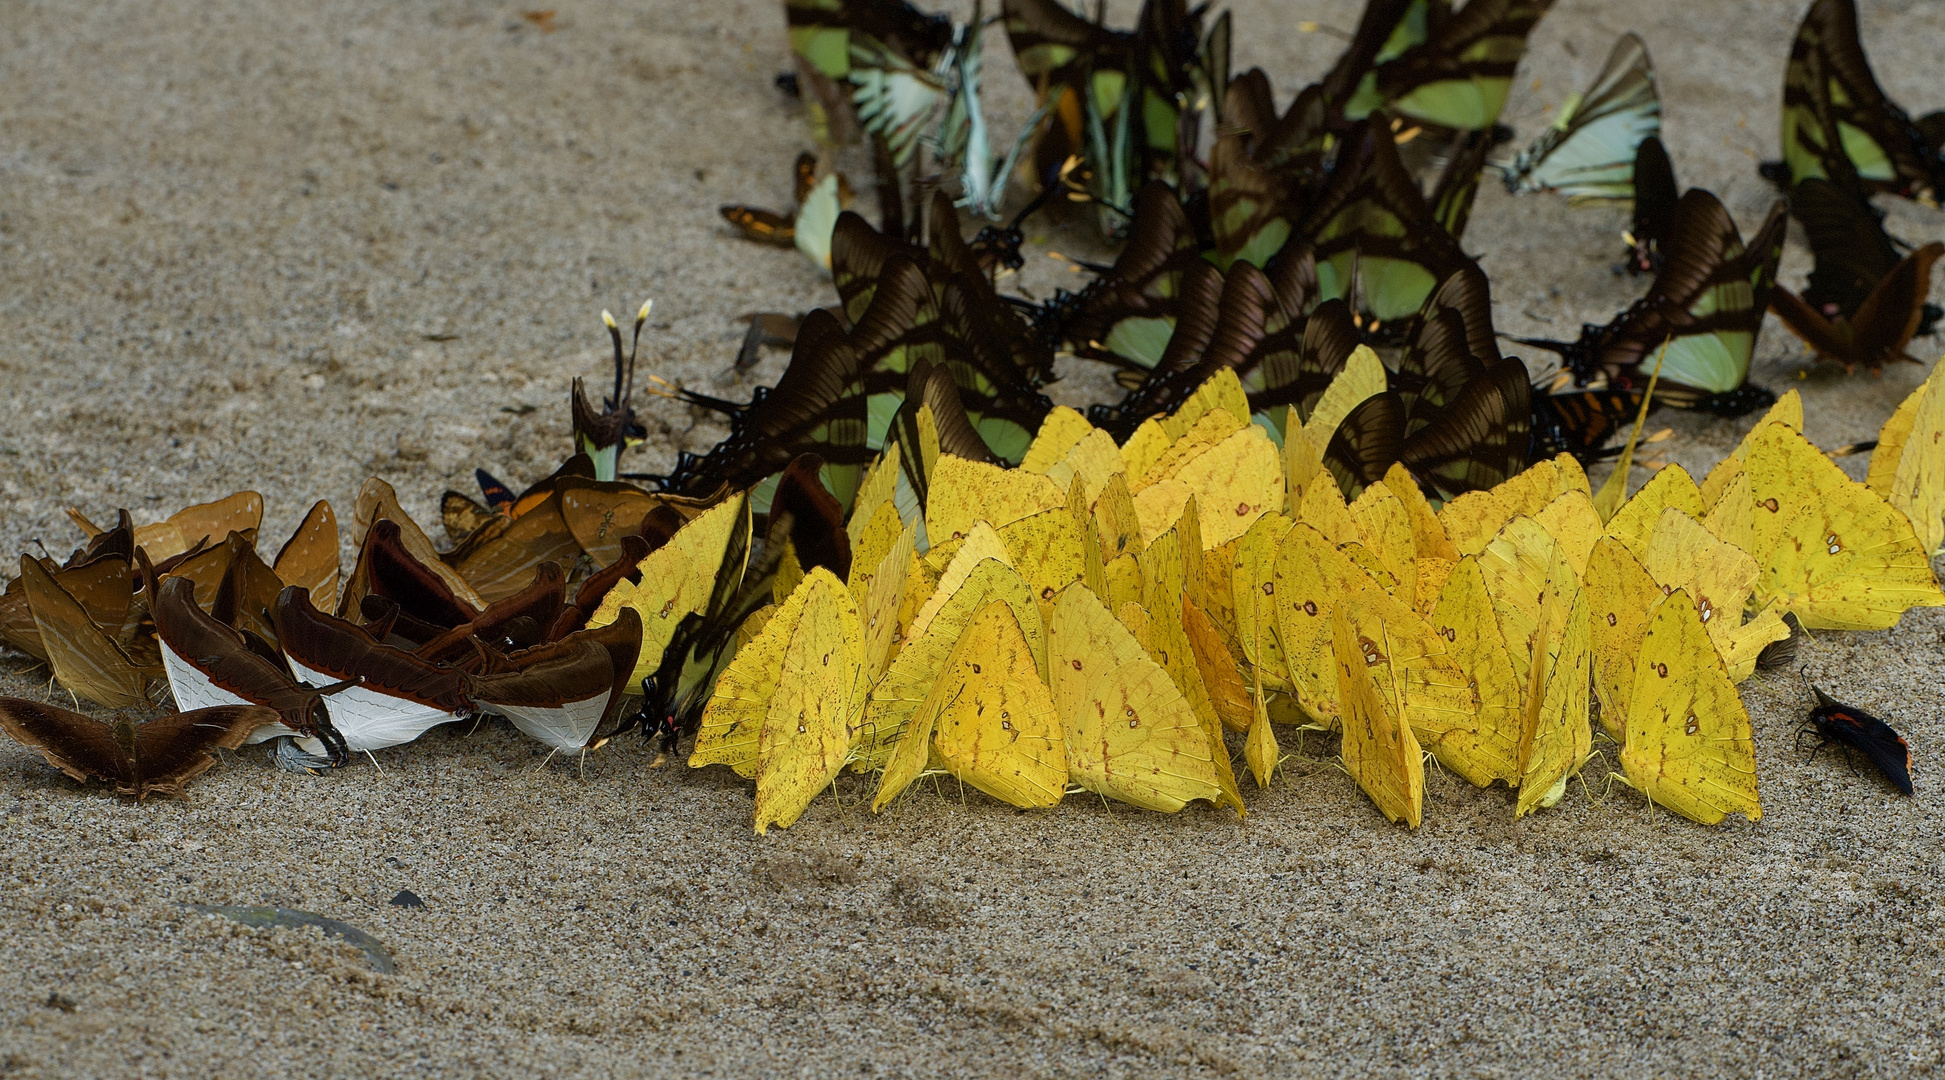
(1325, 497)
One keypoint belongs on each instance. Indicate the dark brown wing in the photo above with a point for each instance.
(813, 519)
(387, 569)
(818, 404)
(580, 666)
(1655, 198)
(221, 654)
(81, 746)
(1885, 323)
(342, 650)
(173, 750)
(1366, 443)
(1478, 440)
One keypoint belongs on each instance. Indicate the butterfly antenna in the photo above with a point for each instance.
(614, 335)
(627, 393)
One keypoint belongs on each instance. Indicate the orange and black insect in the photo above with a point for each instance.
(769, 226)
(1832, 721)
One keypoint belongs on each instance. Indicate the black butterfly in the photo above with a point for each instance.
(1832, 721)
(1267, 327)
(1655, 197)
(1126, 316)
(1264, 169)
(1864, 303)
(1373, 231)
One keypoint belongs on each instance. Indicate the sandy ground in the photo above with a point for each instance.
(229, 234)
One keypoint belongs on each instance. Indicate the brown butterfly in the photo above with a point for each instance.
(211, 664)
(310, 557)
(398, 696)
(1884, 324)
(160, 756)
(86, 658)
(192, 525)
(565, 692)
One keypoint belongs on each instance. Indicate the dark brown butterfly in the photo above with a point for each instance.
(1655, 197)
(210, 664)
(602, 434)
(1884, 324)
(1264, 169)
(564, 692)
(1263, 328)
(388, 569)
(1374, 232)
(1127, 315)
(158, 757)
(1851, 728)
(588, 596)
(1434, 65)
(1458, 415)
(397, 696)
(518, 621)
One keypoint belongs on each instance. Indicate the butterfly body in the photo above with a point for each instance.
(1832, 721)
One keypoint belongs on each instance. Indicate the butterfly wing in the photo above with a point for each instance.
(1688, 744)
(81, 746)
(1590, 152)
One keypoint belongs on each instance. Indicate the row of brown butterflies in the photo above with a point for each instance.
(255, 650)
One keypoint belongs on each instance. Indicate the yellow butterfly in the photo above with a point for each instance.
(808, 728)
(1720, 577)
(785, 710)
(1621, 598)
(1130, 734)
(1686, 741)
(1908, 466)
(902, 691)
(1635, 521)
(1485, 746)
(1831, 549)
(1542, 614)
(1380, 751)
(1787, 411)
(962, 492)
(1474, 518)
(676, 580)
(1233, 482)
(988, 720)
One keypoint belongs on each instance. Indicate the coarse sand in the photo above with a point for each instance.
(288, 246)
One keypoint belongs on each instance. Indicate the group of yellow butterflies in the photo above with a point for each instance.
(1097, 618)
